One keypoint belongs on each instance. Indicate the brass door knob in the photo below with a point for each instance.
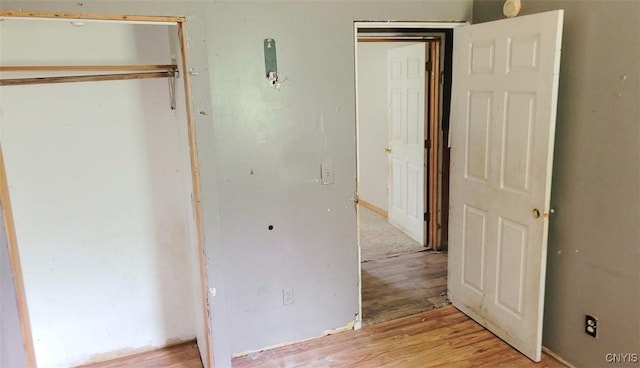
(387, 149)
(535, 212)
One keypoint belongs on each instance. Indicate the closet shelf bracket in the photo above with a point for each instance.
(174, 74)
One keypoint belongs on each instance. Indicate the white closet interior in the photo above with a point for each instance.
(101, 190)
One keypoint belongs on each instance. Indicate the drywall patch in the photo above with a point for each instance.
(347, 327)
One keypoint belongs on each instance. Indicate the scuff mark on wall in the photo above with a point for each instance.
(320, 127)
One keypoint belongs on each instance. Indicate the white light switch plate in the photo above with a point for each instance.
(327, 172)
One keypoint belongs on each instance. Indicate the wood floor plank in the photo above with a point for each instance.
(404, 285)
(184, 355)
(438, 338)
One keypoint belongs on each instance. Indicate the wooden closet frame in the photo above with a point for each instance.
(14, 257)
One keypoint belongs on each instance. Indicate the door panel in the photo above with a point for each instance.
(503, 122)
(477, 142)
(406, 95)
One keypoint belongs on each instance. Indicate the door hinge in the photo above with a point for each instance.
(426, 216)
(427, 143)
(429, 66)
(355, 198)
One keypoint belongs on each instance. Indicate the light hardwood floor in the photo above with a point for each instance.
(178, 356)
(439, 338)
(401, 291)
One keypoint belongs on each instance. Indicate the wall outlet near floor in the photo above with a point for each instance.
(591, 325)
(287, 296)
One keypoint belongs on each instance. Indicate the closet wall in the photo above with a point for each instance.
(12, 352)
(100, 185)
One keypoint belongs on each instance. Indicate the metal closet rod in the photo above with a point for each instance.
(152, 71)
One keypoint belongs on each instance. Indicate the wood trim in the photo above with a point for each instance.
(92, 16)
(16, 266)
(83, 78)
(59, 68)
(373, 208)
(363, 24)
(397, 39)
(434, 137)
(195, 177)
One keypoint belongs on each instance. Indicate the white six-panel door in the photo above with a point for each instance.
(406, 115)
(502, 132)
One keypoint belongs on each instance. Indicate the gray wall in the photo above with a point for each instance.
(593, 261)
(260, 151)
(283, 135)
(12, 352)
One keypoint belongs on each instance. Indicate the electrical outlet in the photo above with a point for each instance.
(287, 296)
(591, 325)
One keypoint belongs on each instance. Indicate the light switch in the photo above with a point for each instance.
(327, 172)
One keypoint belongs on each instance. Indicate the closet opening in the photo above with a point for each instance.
(100, 186)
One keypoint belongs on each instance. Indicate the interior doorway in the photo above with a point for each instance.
(403, 88)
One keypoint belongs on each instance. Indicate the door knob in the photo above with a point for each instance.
(387, 149)
(535, 212)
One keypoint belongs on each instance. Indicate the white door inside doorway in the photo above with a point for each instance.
(503, 120)
(406, 87)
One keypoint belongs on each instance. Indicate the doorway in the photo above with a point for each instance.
(403, 79)
(505, 94)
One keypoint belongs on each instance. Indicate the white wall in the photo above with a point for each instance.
(100, 194)
(12, 352)
(373, 129)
